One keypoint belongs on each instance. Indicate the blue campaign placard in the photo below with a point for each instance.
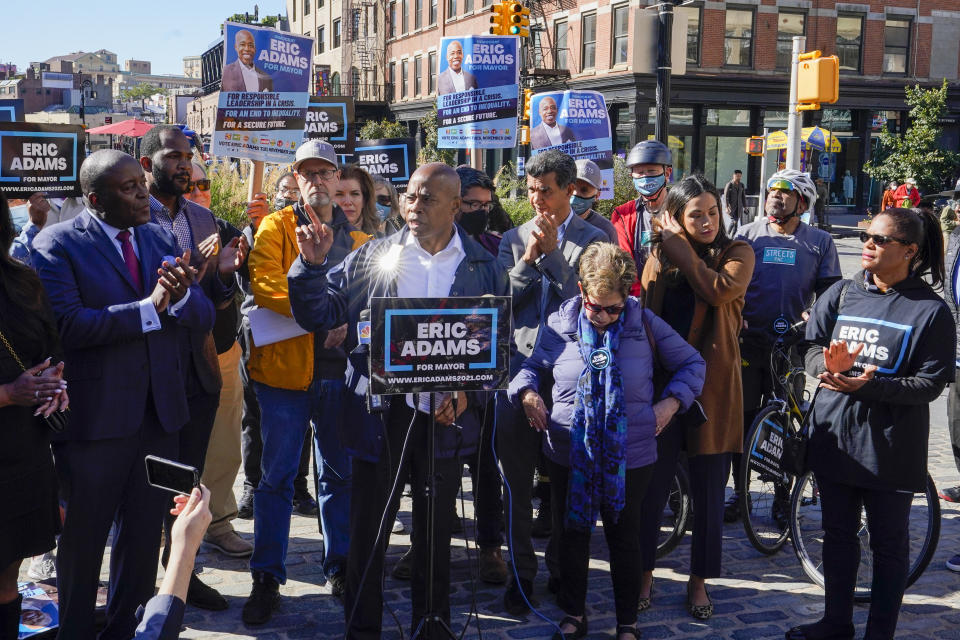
(11, 110)
(264, 91)
(40, 158)
(478, 89)
(393, 159)
(577, 123)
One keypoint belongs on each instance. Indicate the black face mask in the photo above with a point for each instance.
(474, 222)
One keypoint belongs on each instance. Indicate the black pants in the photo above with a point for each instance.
(953, 421)
(487, 487)
(372, 482)
(888, 520)
(251, 444)
(708, 479)
(623, 541)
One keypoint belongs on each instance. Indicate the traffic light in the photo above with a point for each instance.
(818, 80)
(527, 99)
(498, 19)
(517, 20)
(523, 135)
(755, 145)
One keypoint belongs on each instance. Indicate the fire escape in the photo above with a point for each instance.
(547, 63)
(365, 50)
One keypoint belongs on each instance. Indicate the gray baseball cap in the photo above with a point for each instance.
(317, 149)
(588, 171)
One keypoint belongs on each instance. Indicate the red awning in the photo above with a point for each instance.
(133, 128)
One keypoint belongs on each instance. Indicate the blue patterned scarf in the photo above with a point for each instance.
(598, 448)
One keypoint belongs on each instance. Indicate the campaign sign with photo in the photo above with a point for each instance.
(394, 159)
(264, 90)
(40, 157)
(331, 119)
(577, 123)
(478, 88)
(11, 110)
(439, 344)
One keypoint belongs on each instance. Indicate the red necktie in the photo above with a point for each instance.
(130, 258)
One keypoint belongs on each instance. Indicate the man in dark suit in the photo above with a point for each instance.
(454, 78)
(120, 325)
(549, 132)
(166, 157)
(242, 74)
(542, 257)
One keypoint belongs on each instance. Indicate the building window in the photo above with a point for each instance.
(467, 6)
(431, 72)
(738, 38)
(433, 11)
(418, 14)
(896, 45)
(355, 24)
(404, 77)
(405, 19)
(319, 3)
(373, 14)
(849, 41)
(621, 33)
(588, 45)
(417, 74)
(451, 8)
(393, 19)
(560, 37)
(321, 37)
(393, 81)
(788, 25)
(693, 33)
(336, 33)
(306, 7)
(294, 16)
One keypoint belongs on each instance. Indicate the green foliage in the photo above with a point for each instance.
(141, 92)
(430, 152)
(374, 130)
(623, 190)
(228, 189)
(918, 153)
(270, 21)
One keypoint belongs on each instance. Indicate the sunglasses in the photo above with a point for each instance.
(203, 185)
(780, 184)
(878, 239)
(613, 310)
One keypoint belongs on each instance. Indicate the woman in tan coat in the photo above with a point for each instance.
(695, 279)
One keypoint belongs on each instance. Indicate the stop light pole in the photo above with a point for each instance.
(793, 115)
(664, 37)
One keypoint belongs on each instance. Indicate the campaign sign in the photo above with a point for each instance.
(394, 159)
(884, 343)
(40, 157)
(264, 89)
(478, 89)
(576, 123)
(767, 453)
(11, 110)
(331, 119)
(439, 344)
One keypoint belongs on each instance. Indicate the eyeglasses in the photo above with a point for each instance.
(878, 239)
(203, 185)
(477, 205)
(612, 310)
(323, 174)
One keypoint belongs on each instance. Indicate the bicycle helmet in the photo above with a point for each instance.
(793, 180)
(650, 152)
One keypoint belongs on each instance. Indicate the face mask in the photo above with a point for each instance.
(474, 222)
(648, 186)
(580, 205)
(383, 211)
(280, 203)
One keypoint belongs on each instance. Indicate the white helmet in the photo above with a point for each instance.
(798, 181)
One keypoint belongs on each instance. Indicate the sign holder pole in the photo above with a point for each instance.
(761, 201)
(793, 116)
(255, 179)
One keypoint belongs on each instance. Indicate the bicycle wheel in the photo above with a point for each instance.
(806, 527)
(676, 514)
(764, 489)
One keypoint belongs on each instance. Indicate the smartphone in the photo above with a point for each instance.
(171, 476)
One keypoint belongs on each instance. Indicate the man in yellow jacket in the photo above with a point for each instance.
(298, 382)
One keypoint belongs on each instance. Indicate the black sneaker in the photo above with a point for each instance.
(543, 523)
(731, 509)
(403, 570)
(338, 584)
(950, 494)
(304, 504)
(514, 601)
(204, 596)
(245, 504)
(263, 601)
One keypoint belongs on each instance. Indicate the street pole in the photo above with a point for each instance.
(793, 116)
(662, 124)
(761, 201)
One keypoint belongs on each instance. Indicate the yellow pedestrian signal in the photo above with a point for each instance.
(527, 99)
(755, 145)
(523, 134)
(818, 80)
(517, 20)
(498, 19)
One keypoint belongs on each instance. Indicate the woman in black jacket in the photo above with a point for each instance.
(883, 347)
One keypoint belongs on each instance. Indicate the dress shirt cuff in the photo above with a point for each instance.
(149, 320)
(174, 309)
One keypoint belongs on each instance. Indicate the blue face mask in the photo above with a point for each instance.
(649, 185)
(580, 205)
(383, 211)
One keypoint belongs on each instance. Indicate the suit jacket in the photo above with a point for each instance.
(445, 82)
(232, 79)
(539, 138)
(199, 351)
(531, 305)
(114, 368)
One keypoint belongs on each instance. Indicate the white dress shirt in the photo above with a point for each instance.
(553, 133)
(149, 320)
(459, 82)
(250, 78)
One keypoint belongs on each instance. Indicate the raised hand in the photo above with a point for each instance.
(257, 209)
(233, 255)
(547, 234)
(314, 239)
(838, 358)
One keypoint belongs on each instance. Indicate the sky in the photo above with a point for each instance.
(162, 33)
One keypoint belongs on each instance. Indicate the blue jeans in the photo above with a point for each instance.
(286, 416)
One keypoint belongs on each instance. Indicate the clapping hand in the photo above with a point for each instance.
(314, 239)
(233, 255)
(38, 385)
(174, 282)
(546, 232)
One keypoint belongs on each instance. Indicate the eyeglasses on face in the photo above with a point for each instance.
(202, 185)
(477, 205)
(878, 239)
(322, 174)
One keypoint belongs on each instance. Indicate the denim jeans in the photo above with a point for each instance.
(286, 416)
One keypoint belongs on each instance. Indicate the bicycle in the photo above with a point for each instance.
(676, 513)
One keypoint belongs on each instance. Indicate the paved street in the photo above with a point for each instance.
(757, 596)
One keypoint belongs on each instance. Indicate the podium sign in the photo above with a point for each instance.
(439, 344)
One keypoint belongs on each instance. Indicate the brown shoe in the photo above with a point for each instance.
(229, 543)
(493, 569)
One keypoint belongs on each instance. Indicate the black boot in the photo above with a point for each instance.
(10, 619)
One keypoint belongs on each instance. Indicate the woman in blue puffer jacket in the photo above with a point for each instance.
(601, 433)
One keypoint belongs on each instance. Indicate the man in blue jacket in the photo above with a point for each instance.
(430, 257)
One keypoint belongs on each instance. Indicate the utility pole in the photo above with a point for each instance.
(664, 33)
(793, 115)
